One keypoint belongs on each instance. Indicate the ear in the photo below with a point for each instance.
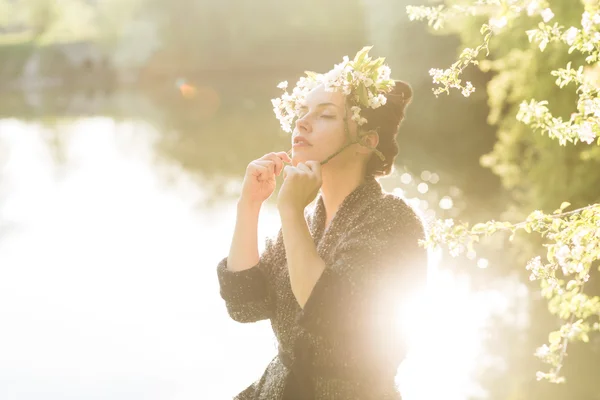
(369, 140)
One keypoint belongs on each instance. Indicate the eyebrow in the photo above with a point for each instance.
(321, 105)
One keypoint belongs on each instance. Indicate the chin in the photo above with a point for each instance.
(298, 158)
(303, 155)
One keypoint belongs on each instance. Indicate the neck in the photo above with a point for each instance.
(336, 186)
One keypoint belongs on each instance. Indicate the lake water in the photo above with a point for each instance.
(114, 212)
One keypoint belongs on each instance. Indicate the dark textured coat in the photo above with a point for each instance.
(346, 342)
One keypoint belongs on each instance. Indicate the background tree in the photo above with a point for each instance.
(529, 48)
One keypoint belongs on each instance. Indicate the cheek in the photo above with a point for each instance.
(330, 133)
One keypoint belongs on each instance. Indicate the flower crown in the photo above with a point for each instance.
(364, 80)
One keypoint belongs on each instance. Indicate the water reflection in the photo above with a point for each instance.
(108, 277)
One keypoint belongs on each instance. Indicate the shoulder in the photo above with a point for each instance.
(393, 213)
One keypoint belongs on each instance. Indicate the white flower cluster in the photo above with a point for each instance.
(440, 76)
(588, 36)
(586, 132)
(588, 21)
(535, 266)
(570, 35)
(364, 80)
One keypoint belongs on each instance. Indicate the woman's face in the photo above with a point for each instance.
(321, 124)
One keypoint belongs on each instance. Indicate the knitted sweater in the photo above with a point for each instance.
(346, 342)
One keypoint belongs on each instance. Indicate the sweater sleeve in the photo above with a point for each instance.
(358, 298)
(247, 294)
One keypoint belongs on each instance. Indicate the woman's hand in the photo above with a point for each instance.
(259, 181)
(300, 186)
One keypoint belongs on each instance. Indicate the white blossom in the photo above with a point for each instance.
(579, 235)
(539, 375)
(375, 102)
(542, 351)
(586, 133)
(533, 7)
(562, 254)
(571, 35)
(343, 78)
(437, 74)
(588, 21)
(498, 23)
(535, 266)
(456, 250)
(384, 72)
(468, 89)
(547, 14)
(587, 106)
(587, 46)
(356, 113)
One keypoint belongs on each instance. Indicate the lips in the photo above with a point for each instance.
(301, 140)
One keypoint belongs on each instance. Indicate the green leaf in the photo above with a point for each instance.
(479, 228)
(564, 205)
(572, 284)
(360, 56)
(556, 224)
(311, 74)
(378, 63)
(362, 94)
(550, 255)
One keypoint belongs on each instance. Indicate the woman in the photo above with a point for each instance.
(333, 281)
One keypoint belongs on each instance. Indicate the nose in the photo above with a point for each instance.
(302, 124)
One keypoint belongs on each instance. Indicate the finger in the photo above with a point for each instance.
(284, 156)
(260, 172)
(267, 156)
(304, 167)
(276, 159)
(272, 165)
(265, 163)
(315, 166)
(288, 170)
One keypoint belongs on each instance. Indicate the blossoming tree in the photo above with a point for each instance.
(571, 238)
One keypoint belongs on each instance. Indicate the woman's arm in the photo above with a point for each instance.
(243, 253)
(305, 266)
(243, 274)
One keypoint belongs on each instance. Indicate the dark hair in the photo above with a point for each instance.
(386, 120)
